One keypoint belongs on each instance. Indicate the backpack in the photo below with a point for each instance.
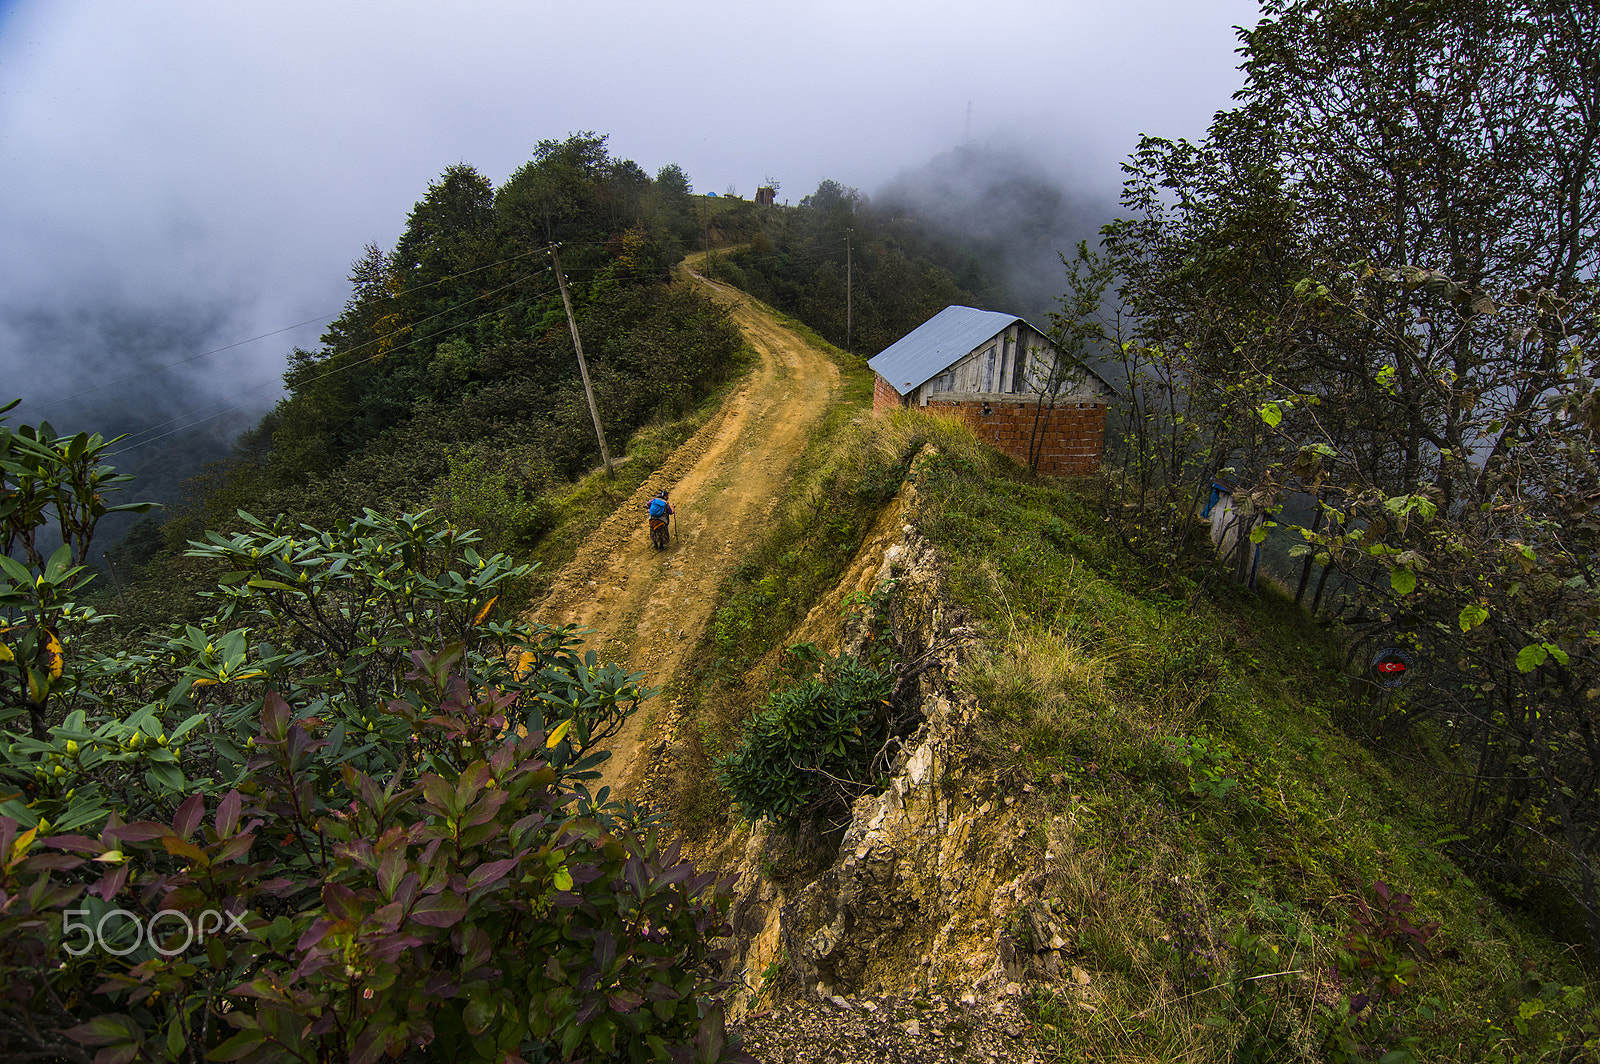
(658, 507)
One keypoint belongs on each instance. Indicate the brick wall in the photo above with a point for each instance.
(884, 397)
(1074, 434)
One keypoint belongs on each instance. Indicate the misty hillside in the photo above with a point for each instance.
(1008, 211)
(977, 226)
(453, 362)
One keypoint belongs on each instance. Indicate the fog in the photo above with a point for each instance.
(184, 177)
(1014, 209)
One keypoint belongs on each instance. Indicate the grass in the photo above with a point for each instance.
(1211, 827)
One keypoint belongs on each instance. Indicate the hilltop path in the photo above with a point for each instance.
(647, 609)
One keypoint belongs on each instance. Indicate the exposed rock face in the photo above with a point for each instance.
(933, 886)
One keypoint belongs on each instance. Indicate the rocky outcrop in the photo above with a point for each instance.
(933, 888)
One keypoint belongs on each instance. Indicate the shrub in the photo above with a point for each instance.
(812, 748)
(478, 913)
(291, 833)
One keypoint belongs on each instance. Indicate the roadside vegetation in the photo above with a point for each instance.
(329, 819)
(1250, 878)
(1248, 874)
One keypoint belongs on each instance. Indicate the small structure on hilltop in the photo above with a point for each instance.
(766, 196)
(1004, 378)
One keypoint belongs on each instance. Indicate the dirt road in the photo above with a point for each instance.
(648, 608)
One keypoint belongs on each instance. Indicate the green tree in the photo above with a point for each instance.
(1372, 288)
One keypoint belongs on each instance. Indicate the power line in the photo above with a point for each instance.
(359, 362)
(134, 442)
(286, 328)
(181, 361)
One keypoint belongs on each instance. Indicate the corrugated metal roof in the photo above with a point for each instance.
(932, 347)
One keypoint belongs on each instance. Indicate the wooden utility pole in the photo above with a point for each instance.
(583, 367)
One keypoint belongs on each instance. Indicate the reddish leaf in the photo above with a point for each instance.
(437, 792)
(139, 831)
(112, 882)
(492, 872)
(228, 814)
(390, 869)
(53, 861)
(676, 874)
(315, 933)
(593, 1004)
(485, 809)
(341, 901)
(473, 777)
(624, 1000)
(712, 1037)
(104, 1030)
(189, 815)
(119, 1054)
(179, 848)
(444, 909)
(234, 847)
(78, 843)
(274, 718)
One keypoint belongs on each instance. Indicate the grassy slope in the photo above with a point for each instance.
(1223, 823)
(1211, 818)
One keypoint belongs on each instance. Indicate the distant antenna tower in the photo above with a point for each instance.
(966, 136)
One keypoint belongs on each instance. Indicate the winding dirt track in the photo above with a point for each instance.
(646, 609)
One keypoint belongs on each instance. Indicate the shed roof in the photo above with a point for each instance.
(932, 347)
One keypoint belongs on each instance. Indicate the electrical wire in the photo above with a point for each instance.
(135, 442)
(286, 328)
(359, 362)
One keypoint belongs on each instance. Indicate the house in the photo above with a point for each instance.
(998, 373)
(1229, 526)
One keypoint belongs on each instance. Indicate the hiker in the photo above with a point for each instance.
(660, 512)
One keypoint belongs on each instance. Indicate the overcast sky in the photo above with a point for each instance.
(223, 163)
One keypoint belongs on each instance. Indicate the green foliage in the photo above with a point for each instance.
(1207, 760)
(812, 749)
(295, 833)
(1205, 825)
(1367, 299)
(485, 492)
(47, 480)
(809, 546)
(472, 911)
